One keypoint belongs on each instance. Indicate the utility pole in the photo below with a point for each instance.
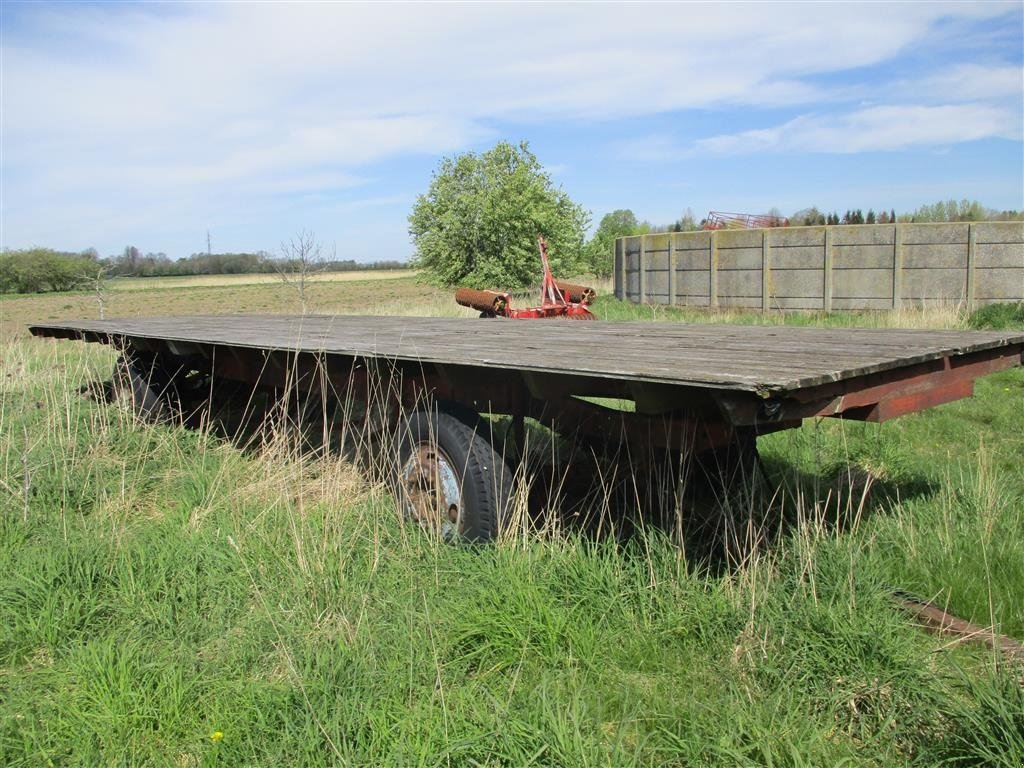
(209, 246)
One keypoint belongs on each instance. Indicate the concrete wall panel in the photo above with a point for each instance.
(999, 255)
(693, 284)
(858, 304)
(739, 238)
(875, 234)
(739, 258)
(784, 303)
(934, 259)
(999, 232)
(657, 242)
(657, 282)
(862, 284)
(999, 284)
(739, 302)
(657, 261)
(785, 237)
(934, 284)
(633, 282)
(746, 283)
(862, 257)
(693, 301)
(798, 257)
(693, 260)
(797, 284)
(691, 240)
(938, 256)
(934, 234)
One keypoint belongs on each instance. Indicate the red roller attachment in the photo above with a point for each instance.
(576, 294)
(556, 299)
(490, 303)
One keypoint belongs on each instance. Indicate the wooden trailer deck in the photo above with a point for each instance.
(768, 377)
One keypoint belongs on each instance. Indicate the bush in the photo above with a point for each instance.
(478, 223)
(37, 270)
(998, 316)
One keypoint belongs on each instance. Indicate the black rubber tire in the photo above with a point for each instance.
(160, 389)
(485, 479)
(144, 383)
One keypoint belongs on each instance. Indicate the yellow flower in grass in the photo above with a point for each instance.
(216, 736)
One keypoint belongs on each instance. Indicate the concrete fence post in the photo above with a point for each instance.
(619, 267)
(766, 270)
(713, 285)
(972, 247)
(671, 269)
(642, 264)
(897, 266)
(827, 287)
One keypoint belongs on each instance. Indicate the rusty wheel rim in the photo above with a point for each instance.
(433, 499)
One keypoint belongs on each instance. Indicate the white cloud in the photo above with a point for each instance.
(161, 110)
(882, 128)
(964, 82)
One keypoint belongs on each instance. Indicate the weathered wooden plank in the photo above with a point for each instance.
(746, 358)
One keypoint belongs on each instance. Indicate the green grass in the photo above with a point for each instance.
(160, 585)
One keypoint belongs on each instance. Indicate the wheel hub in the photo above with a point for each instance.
(432, 495)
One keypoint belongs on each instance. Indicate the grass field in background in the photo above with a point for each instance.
(233, 281)
(169, 598)
(383, 292)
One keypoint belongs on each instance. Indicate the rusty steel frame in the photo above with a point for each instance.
(663, 415)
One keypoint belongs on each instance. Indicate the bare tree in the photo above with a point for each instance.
(302, 257)
(97, 283)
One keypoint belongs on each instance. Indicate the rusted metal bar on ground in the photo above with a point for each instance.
(937, 620)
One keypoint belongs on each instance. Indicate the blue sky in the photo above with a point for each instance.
(150, 124)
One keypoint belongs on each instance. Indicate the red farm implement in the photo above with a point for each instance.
(719, 220)
(557, 299)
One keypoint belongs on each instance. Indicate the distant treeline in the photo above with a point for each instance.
(942, 211)
(37, 270)
(132, 263)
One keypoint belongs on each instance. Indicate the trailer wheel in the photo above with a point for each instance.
(155, 390)
(451, 479)
(141, 381)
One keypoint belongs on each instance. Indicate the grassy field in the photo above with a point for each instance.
(397, 292)
(168, 598)
(234, 281)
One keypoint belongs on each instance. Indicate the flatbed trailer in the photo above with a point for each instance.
(687, 389)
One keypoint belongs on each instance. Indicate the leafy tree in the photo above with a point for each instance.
(599, 252)
(809, 217)
(686, 222)
(951, 210)
(478, 223)
(36, 270)
(870, 217)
